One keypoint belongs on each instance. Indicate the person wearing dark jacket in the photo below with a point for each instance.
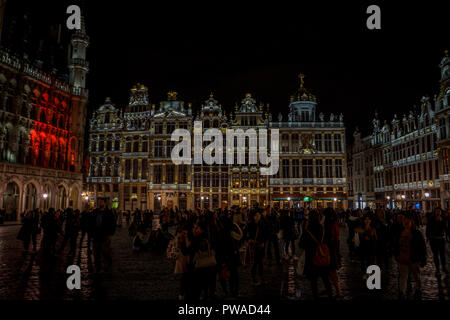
(435, 231)
(411, 253)
(255, 234)
(272, 229)
(287, 225)
(51, 229)
(202, 266)
(104, 227)
(71, 230)
(29, 229)
(85, 227)
(315, 233)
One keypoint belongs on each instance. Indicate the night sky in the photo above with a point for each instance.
(230, 49)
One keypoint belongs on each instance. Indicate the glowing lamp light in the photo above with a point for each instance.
(427, 194)
(159, 198)
(335, 199)
(203, 197)
(403, 196)
(45, 196)
(388, 197)
(289, 198)
(86, 198)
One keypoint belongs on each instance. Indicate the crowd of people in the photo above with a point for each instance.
(213, 245)
(216, 246)
(59, 228)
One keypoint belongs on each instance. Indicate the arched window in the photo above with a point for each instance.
(62, 196)
(11, 200)
(30, 197)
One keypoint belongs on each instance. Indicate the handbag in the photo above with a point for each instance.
(322, 256)
(205, 258)
(173, 252)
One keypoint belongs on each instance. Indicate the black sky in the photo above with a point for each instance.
(231, 48)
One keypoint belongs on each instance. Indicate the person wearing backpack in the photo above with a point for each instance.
(317, 254)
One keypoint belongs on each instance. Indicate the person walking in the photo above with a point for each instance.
(71, 230)
(256, 240)
(287, 225)
(367, 247)
(435, 232)
(50, 229)
(85, 227)
(30, 229)
(272, 229)
(104, 227)
(410, 253)
(317, 256)
(332, 240)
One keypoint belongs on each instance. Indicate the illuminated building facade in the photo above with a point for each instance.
(42, 131)
(443, 133)
(142, 175)
(410, 155)
(361, 177)
(313, 167)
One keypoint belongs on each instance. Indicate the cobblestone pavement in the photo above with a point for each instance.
(148, 276)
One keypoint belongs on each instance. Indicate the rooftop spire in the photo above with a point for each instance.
(301, 76)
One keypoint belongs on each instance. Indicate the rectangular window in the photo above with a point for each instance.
(327, 141)
(307, 168)
(337, 143)
(338, 167)
(170, 173)
(127, 168)
(144, 169)
(295, 168)
(318, 141)
(319, 168)
(158, 149)
(157, 174)
(285, 168)
(329, 168)
(135, 168)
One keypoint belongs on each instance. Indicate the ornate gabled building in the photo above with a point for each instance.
(170, 185)
(312, 156)
(247, 185)
(42, 125)
(442, 103)
(361, 178)
(313, 161)
(410, 154)
(406, 170)
(105, 150)
(211, 182)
